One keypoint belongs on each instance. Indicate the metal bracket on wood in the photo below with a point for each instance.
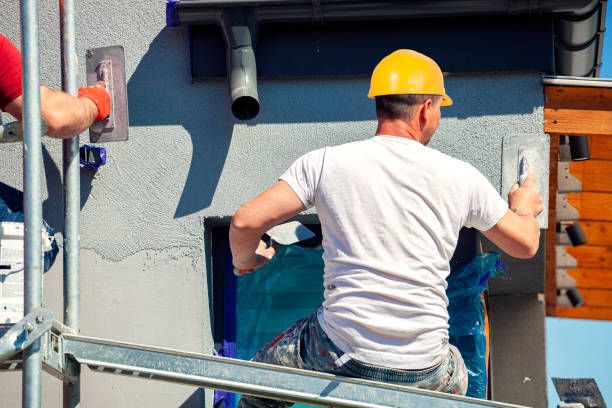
(566, 182)
(563, 259)
(565, 154)
(564, 279)
(565, 212)
(563, 299)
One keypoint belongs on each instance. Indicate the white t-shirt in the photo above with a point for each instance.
(390, 211)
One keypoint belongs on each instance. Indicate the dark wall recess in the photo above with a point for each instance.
(467, 44)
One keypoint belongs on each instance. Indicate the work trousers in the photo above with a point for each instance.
(306, 346)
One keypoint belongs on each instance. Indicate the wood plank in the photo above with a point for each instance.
(592, 206)
(597, 297)
(551, 236)
(585, 312)
(578, 122)
(600, 147)
(595, 175)
(592, 278)
(591, 256)
(571, 97)
(597, 232)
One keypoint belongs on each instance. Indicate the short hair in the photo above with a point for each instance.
(400, 106)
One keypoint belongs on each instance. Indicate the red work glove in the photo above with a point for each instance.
(100, 97)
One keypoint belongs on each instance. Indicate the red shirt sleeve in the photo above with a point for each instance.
(10, 72)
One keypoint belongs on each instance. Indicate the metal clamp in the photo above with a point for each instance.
(25, 332)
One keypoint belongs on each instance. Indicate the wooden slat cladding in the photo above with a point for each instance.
(592, 256)
(595, 175)
(578, 122)
(578, 111)
(586, 312)
(593, 278)
(600, 147)
(598, 233)
(592, 206)
(570, 97)
(582, 111)
(596, 297)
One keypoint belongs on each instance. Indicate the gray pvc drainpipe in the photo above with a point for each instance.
(240, 30)
(240, 19)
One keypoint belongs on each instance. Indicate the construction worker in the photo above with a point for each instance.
(65, 115)
(390, 210)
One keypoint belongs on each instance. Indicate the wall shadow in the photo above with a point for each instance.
(160, 93)
(344, 99)
(195, 400)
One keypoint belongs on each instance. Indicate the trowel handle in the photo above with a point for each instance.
(523, 168)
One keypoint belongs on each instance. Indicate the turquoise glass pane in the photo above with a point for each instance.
(268, 301)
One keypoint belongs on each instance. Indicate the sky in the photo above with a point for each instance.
(577, 348)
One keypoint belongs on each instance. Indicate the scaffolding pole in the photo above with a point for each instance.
(32, 156)
(72, 193)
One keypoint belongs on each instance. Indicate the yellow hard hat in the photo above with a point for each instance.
(408, 72)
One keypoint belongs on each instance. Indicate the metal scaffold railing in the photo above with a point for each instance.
(32, 159)
(72, 194)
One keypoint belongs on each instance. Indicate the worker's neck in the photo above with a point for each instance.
(399, 128)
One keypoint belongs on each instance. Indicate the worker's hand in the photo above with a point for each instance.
(100, 97)
(526, 199)
(260, 257)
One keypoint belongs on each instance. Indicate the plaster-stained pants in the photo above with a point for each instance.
(305, 345)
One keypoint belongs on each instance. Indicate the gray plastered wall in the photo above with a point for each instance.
(143, 258)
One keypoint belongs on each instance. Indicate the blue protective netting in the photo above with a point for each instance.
(11, 210)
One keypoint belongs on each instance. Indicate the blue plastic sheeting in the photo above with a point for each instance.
(11, 210)
(268, 301)
(467, 316)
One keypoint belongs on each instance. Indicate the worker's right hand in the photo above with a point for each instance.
(100, 97)
(262, 255)
(526, 199)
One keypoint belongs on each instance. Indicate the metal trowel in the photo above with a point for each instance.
(525, 153)
(108, 64)
(288, 233)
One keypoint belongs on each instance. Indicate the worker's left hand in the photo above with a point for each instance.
(262, 255)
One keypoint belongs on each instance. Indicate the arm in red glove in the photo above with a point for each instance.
(100, 97)
(66, 116)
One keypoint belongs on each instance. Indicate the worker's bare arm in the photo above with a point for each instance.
(66, 115)
(515, 235)
(518, 232)
(254, 218)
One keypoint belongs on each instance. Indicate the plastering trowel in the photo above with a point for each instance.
(525, 153)
(108, 64)
(285, 234)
